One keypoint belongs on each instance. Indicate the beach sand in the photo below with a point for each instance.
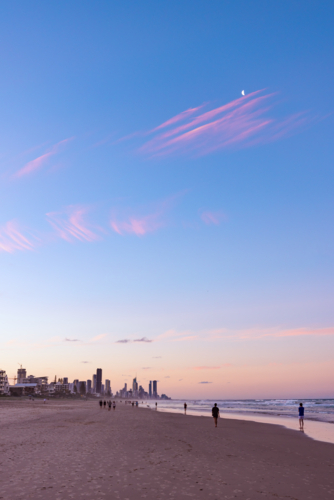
(70, 450)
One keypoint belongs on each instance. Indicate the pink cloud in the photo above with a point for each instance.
(140, 224)
(42, 160)
(70, 225)
(239, 123)
(12, 239)
(212, 217)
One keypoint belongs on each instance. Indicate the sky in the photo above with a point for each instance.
(167, 194)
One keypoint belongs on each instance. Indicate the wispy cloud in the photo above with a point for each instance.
(205, 382)
(85, 362)
(42, 160)
(127, 341)
(143, 220)
(12, 238)
(157, 357)
(98, 337)
(71, 225)
(212, 217)
(71, 340)
(146, 368)
(240, 123)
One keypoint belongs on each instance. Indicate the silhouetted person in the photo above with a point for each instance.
(215, 414)
(156, 406)
(114, 406)
(104, 404)
(301, 416)
(109, 405)
(185, 408)
(101, 405)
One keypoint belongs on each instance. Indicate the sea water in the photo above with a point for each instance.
(319, 413)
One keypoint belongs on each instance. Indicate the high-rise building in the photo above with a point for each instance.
(76, 382)
(102, 388)
(134, 385)
(99, 380)
(89, 386)
(94, 383)
(21, 375)
(155, 388)
(65, 380)
(107, 386)
(150, 389)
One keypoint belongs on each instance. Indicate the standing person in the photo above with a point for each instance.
(215, 414)
(301, 416)
(156, 406)
(104, 404)
(114, 405)
(109, 406)
(185, 408)
(101, 404)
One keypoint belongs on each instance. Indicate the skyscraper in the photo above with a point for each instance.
(107, 387)
(94, 383)
(65, 380)
(134, 385)
(150, 389)
(99, 380)
(89, 386)
(155, 388)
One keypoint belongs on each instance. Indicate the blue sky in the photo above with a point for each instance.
(211, 236)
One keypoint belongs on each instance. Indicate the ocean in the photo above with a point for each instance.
(319, 413)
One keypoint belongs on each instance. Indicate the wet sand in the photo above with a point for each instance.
(70, 450)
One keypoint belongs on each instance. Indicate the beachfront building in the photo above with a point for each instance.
(21, 375)
(107, 387)
(24, 389)
(150, 389)
(4, 385)
(94, 383)
(99, 380)
(89, 387)
(155, 389)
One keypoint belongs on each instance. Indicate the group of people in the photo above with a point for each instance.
(104, 404)
(215, 414)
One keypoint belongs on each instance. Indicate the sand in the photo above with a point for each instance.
(70, 450)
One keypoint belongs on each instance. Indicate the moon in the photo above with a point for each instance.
(242, 92)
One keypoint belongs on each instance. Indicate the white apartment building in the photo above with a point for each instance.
(4, 385)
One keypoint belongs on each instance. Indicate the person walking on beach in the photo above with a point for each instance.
(104, 404)
(109, 406)
(185, 408)
(215, 414)
(301, 416)
(101, 404)
(156, 406)
(114, 406)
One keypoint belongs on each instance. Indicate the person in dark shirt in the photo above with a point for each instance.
(101, 404)
(301, 416)
(215, 414)
(104, 404)
(185, 408)
(109, 405)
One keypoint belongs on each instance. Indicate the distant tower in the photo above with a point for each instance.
(107, 387)
(21, 375)
(89, 386)
(99, 380)
(150, 389)
(65, 380)
(155, 388)
(94, 383)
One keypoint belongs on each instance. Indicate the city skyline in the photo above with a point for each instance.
(167, 195)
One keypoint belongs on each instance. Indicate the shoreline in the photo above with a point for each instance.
(314, 429)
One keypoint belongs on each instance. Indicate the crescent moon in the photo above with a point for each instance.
(242, 92)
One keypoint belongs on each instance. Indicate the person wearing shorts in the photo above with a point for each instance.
(215, 414)
(301, 416)
(185, 408)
